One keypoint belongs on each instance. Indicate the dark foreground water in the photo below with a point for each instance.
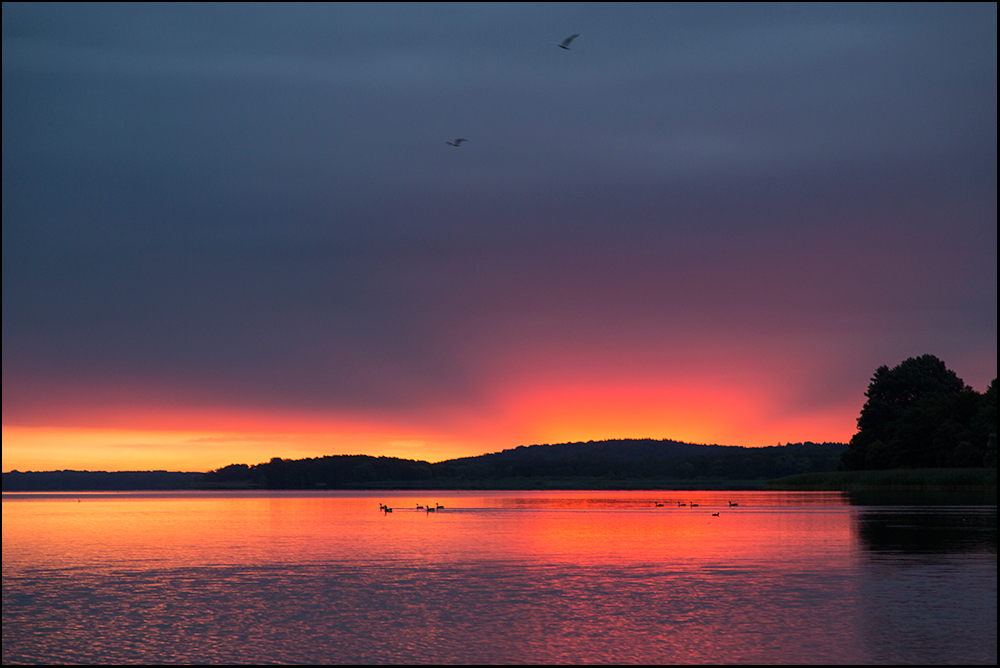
(500, 577)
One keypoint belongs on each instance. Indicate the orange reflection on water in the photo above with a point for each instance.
(143, 530)
(499, 577)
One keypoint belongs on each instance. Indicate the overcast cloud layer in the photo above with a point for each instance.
(254, 206)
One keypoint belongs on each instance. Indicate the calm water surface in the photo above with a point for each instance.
(498, 577)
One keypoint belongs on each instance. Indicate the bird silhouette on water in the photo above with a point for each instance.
(565, 43)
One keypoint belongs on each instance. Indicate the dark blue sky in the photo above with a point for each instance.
(253, 208)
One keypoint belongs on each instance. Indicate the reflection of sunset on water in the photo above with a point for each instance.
(491, 577)
(246, 528)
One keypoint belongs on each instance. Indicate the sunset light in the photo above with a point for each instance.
(717, 410)
(499, 333)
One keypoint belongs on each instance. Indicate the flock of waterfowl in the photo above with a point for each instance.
(681, 504)
(428, 508)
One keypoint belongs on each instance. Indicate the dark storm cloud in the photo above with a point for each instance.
(260, 200)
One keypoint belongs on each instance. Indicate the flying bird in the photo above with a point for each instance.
(565, 42)
(457, 142)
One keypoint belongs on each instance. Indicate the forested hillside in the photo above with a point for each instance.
(623, 459)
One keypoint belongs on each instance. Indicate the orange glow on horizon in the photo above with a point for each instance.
(692, 412)
(110, 449)
(201, 439)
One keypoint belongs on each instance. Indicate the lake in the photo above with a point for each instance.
(496, 577)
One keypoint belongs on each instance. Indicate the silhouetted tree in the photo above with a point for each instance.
(921, 414)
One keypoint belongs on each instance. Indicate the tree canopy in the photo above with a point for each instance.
(920, 414)
(617, 459)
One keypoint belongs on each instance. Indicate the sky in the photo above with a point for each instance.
(237, 232)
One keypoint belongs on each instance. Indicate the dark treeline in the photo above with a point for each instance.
(331, 472)
(96, 481)
(624, 459)
(647, 459)
(920, 414)
(614, 460)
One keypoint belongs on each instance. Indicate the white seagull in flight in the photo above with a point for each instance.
(565, 42)
(457, 142)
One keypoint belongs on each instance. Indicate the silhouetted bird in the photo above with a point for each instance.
(565, 42)
(694, 505)
(679, 504)
(457, 142)
(715, 514)
(731, 504)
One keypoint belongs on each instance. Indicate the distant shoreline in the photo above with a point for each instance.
(845, 481)
(608, 464)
